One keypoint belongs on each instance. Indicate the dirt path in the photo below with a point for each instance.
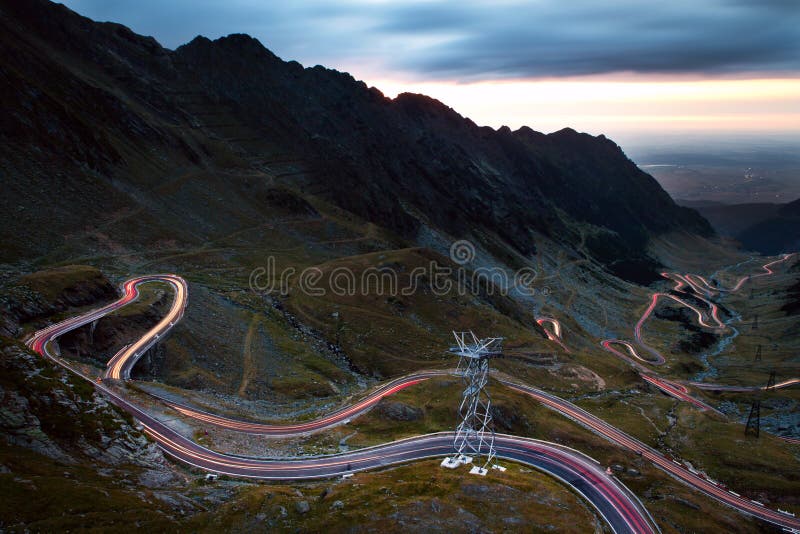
(248, 361)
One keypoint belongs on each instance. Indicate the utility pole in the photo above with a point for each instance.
(474, 437)
(753, 425)
(754, 419)
(771, 380)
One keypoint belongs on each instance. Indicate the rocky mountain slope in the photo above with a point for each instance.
(69, 459)
(215, 158)
(100, 119)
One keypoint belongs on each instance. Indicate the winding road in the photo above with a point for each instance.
(699, 285)
(618, 506)
(690, 280)
(553, 331)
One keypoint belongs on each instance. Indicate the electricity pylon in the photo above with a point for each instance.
(474, 437)
(771, 380)
(753, 426)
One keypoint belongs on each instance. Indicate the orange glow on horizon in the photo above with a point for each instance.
(633, 104)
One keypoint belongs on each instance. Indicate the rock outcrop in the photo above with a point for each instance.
(53, 413)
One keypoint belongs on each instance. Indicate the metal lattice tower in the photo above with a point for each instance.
(474, 438)
(755, 322)
(754, 419)
(753, 426)
(758, 354)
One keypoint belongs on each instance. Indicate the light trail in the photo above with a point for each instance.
(617, 505)
(607, 344)
(678, 391)
(673, 389)
(679, 471)
(119, 367)
(331, 420)
(554, 332)
(719, 387)
(693, 281)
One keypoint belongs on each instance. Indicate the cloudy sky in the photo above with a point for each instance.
(621, 67)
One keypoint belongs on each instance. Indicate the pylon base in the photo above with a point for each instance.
(478, 471)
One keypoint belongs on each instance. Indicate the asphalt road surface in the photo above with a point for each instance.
(620, 508)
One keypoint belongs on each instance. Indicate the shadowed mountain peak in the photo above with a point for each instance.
(402, 163)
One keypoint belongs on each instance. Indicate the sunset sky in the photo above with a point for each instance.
(626, 68)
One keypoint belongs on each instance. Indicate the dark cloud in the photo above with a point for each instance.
(556, 38)
(470, 40)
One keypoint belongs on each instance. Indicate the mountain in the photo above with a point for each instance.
(732, 219)
(695, 204)
(763, 227)
(775, 234)
(217, 158)
(98, 121)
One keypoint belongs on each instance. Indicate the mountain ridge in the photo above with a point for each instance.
(404, 157)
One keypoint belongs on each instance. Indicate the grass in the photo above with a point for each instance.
(386, 334)
(52, 283)
(420, 496)
(151, 294)
(776, 334)
(389, 336)
(42, 495)
(765, 469)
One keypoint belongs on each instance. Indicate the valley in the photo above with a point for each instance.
(218, 262)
